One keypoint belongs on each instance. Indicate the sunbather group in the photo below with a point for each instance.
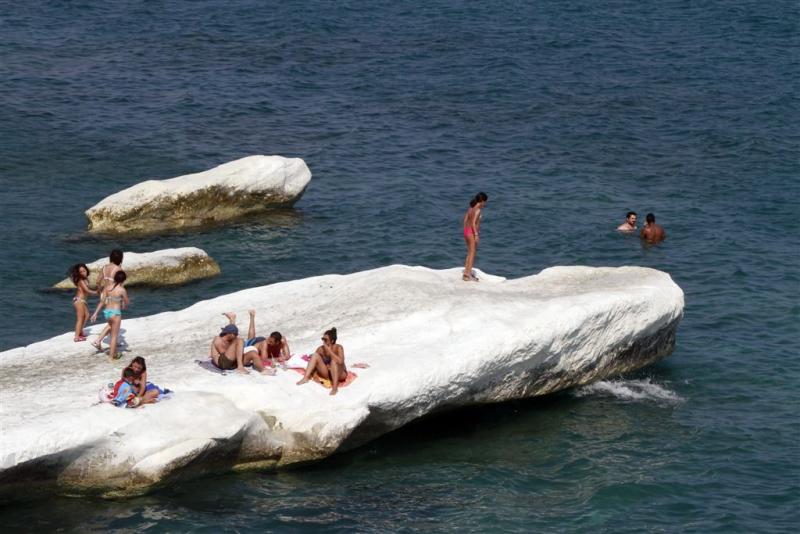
(229, 351)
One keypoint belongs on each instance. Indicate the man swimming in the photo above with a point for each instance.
(630, 223)
(652, 232)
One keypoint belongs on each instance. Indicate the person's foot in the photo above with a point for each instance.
(97, 345)
(231, 317)
(466, 278)
(333, 392)
(79, 338)
(302, 381)
(252, 313)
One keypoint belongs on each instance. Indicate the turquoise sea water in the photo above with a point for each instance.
(567, 113)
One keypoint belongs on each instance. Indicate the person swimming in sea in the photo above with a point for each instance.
(651, 232)
(105, 278)
(79, 274)
(327, 362)
(472, 227)
(114, 299)
(629, 226)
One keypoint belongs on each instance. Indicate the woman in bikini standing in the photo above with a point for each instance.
(327, 362)
(472, 226)
(79, 273)
(114, 299)
(105, 278)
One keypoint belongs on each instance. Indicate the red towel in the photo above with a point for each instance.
(325, 382)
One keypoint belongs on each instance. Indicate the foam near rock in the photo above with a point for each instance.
(432, 342)
(239, 188)
(166, 267)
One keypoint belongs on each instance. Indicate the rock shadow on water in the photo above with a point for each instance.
(269, 220)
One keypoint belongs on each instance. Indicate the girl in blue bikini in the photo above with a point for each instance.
(114, 299)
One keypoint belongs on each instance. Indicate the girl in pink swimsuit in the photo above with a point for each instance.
(472, 226)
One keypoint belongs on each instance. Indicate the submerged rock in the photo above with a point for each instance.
(168, 267)
(432, 343)
(233, 190)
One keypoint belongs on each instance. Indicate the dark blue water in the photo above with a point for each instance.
(567, 113)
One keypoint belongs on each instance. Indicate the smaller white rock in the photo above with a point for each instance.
(172, 266)
(235, 189)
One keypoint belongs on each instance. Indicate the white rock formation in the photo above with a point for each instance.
(168, 267)
(235, 189)
(432, 342)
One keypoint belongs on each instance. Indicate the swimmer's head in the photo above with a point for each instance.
(650, 218)
(119, 277)
(631, 217)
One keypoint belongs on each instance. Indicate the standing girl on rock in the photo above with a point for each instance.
(114, 299)
(105, 278)
(79, 273)
(472, 227)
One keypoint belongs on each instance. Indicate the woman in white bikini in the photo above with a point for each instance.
(114, 299)
(472, 227)
(105, 278)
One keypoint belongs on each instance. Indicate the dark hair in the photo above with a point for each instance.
(650, 218)
(140, 361)
(115, 256)
(480, 197)
(630, 213)
(276, 336)
(128, 373)
(331, 334)
(75, 272)
(120, 277)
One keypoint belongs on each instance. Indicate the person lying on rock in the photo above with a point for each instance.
(327, 362)
(272, 349)
(277, 347)
(227, 350)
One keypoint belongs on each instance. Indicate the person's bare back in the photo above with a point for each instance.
(652, 232)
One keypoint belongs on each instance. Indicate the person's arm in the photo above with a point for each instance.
(125, 301)
(337, 354)
(99, 305)
(84, 286)
(213, 349)
(286, 353)
(142, 384)
(476, 223)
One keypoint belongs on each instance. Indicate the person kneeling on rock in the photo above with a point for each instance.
(227, 352)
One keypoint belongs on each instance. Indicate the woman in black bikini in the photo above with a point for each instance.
(327, 362)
